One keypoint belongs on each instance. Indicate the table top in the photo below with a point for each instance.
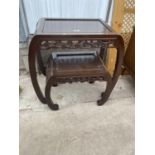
(54, 26)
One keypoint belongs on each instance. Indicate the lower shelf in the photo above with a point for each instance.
(81, 66)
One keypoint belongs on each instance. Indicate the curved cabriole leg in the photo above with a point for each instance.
(105, 95)
(112, 81)
(50, 103)
(33, 49)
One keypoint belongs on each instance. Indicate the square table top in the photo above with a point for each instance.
(53, 26)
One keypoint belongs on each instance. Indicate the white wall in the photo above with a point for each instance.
(36, 9)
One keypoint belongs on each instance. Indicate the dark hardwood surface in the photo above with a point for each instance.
(73, 66)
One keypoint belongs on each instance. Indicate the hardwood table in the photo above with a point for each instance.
(69, 43)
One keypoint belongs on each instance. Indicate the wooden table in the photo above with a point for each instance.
(71, 59)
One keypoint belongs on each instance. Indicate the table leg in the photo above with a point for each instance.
(33, 49)
(112, 81)
(50, 103)
(105, 95)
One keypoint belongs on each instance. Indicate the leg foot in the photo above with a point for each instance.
(48, 97)
(106, 94)
(53, 106)
(91, 82)
(99, 102)
(102, 100)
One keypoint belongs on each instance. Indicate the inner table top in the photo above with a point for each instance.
(72, 26)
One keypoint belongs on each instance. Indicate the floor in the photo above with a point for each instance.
(80, 127)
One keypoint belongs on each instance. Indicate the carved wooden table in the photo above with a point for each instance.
(69, 64)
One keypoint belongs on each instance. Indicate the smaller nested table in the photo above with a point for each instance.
(62, 37)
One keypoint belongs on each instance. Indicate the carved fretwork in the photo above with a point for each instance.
(75, 44)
